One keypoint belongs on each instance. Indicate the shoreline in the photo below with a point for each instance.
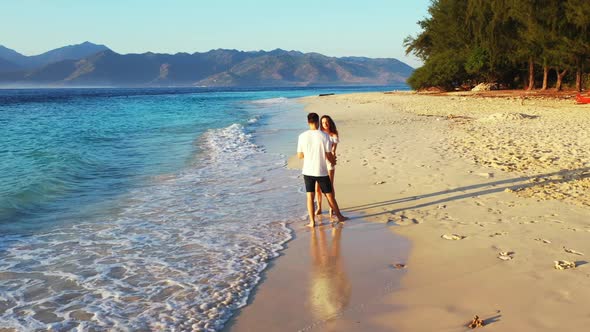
(328, 278)
(505, 177)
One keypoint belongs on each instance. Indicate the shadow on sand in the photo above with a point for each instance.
(480, 189)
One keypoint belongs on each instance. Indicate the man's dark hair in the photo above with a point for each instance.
(313, 118)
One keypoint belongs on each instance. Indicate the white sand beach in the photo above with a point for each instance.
(491, 192)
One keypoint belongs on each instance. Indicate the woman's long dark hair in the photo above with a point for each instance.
(332, 125)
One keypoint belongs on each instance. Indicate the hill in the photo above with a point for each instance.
(219, 67)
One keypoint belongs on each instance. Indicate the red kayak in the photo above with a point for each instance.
(582, 100)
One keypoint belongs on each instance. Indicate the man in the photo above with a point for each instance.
(314, 147)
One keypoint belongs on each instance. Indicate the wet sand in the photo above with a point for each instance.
(490, 191)
(328, 279)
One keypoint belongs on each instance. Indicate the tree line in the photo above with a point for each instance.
(516, 43)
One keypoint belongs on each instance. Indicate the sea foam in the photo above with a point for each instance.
(182, 252)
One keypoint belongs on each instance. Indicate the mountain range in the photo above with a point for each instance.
(88, 64)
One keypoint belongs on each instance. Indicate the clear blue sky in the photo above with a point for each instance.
(372, 28)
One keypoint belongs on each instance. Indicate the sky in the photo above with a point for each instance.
(370, 28)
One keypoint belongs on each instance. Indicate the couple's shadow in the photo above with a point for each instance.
(480, 189)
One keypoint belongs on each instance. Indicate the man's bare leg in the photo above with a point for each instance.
(310, 197)
(318, 196)
(335, 208)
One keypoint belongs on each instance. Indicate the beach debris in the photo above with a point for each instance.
(441, 206)
(453, 237)
(542, 240)
(380, 182)
(564, 265)
(476, 322)
(486, 175)
(498, 234)
(399, 266)
(572, 251)
(506, 255)
(485, 87)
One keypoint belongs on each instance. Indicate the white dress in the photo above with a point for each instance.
(335, 140)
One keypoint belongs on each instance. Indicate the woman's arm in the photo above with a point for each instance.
(335, 144)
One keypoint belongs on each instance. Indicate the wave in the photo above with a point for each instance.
(182, 252)
(229, 144)
(270, 101)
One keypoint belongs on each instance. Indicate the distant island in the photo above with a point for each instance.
(88, 64)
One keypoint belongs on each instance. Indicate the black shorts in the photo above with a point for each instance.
(324, 181)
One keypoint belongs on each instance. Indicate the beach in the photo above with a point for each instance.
(143, 209)
(488, 191)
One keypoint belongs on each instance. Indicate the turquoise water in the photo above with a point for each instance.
(67, 153)
(142, 208)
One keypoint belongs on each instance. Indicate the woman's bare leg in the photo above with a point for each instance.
(334, 206)
(331, 174)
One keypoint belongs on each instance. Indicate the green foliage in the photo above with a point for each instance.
(477, 61)
(442, 70)
(494, 40)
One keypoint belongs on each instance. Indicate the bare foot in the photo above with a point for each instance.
(339, 218)
(310, 225)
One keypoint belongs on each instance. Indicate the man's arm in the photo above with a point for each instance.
(300, 155)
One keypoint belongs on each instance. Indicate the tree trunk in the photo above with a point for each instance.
(545, 77)
(531, 74)
(559, 78)
(580, 83)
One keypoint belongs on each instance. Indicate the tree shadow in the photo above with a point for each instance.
(473, 190)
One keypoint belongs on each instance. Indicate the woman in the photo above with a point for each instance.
(328, 126)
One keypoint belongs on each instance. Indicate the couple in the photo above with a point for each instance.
(315, 147)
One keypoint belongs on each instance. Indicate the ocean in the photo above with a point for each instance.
(144, 209)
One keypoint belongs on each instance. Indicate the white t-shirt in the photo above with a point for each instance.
(314, 144)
